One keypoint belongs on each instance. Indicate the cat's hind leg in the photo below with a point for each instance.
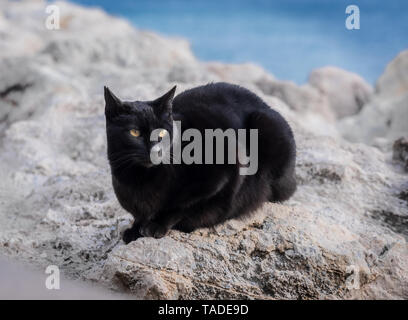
(283, 188)
(276, 152)
(185, 226)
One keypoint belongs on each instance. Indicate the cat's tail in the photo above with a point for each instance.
(276, 152)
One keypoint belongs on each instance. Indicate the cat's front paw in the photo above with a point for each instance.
(130, 235)
(152, 229)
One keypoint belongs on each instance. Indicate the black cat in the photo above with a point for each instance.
(186, 197)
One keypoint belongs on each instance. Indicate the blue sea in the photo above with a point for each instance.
(289, 38)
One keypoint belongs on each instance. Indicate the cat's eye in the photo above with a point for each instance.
(135, 133)
(162, 133)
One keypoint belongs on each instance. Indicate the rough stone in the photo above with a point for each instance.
(347, 92)
(386, 115)
(400, 152)
(341, 236)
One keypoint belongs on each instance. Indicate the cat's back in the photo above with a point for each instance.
(217, 97)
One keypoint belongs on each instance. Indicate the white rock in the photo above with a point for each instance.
(302, 99)
(394, 81)
(238, 73)
(347, 92)
(57, 205)
(386, 116)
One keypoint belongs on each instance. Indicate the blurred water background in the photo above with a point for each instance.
(289, 38)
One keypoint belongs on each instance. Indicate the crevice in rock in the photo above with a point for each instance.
(403, 195)
(384, 250)
(260, 254)
(18, 87)
(400, 152)
(396, 223)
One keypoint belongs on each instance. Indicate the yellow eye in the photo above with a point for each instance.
(162, 133)
(135, 132)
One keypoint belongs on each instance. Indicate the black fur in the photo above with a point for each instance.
(187, 197)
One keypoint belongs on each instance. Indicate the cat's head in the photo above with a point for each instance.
(129, 126)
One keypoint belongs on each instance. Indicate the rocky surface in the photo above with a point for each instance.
(343, 234)
(400, 151)
(346, 92)
(385, 117)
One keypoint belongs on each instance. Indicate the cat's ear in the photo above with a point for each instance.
(113, 104)
(165, 102)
